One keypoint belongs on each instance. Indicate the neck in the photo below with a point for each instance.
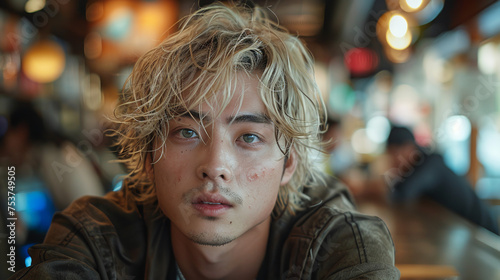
(239, 259)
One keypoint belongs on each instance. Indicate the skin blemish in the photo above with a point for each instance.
(253, 174)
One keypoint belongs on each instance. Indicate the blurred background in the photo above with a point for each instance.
(430, 65)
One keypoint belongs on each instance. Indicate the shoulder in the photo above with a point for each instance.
(114, 204)
(97, 220)
(99, 236)
(430, 156)
(333, 239)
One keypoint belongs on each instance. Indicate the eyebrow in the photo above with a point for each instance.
(247, 117)
(253, 118)
(195, 114)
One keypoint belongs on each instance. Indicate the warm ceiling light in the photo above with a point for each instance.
(44, 61)
(398, 43)
(34, 5)
(397, 56)
(414, 4)
(398, 26)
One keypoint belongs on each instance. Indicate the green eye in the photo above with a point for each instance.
(187, 133)
(250, 138)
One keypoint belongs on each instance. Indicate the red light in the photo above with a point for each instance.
(361, 61)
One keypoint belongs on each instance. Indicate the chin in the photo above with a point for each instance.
(211, 239)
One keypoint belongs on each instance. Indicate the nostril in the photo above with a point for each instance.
(205, 173)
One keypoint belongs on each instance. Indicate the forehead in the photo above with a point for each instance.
(241, 93)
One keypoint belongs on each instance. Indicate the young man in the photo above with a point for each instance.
(216, 126)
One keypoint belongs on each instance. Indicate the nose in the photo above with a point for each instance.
(216, 162)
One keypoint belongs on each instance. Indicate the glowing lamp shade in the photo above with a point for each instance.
(44, 61)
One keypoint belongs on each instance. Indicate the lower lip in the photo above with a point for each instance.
(211, 210)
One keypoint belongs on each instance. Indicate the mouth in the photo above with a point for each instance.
(211, 205)
(211, 199)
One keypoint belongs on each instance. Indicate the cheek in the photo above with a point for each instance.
(169, 171)
(260, 173)
(263, 170)
(262, 184)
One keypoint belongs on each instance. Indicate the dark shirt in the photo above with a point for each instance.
(430, 177)
(115, 237)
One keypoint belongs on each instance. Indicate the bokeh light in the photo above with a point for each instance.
(398, 43)
(361, 143)
(457, 128)
(487, 58)
(405, 105)
(398, 26)
(44, 61)
(378, 128)
(414, 4)
(34, 5)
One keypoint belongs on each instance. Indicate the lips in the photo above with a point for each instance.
(211, 199)
(211, 205)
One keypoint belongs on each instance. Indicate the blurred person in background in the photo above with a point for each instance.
(216, 126)
(418, 172)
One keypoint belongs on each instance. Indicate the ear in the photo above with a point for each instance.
(290, 166)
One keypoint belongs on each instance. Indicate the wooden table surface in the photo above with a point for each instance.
(434, 243)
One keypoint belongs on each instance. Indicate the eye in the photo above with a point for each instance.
(187, 133)
(250, 138)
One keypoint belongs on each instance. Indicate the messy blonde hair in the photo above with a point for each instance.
(205, 55)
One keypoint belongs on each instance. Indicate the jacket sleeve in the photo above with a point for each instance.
(340, 243)
(357, 247)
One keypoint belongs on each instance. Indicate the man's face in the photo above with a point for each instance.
(220, 182)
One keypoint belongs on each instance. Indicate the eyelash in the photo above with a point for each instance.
(258, 139)
(188, 130)
(195, 135)
(180, 131)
